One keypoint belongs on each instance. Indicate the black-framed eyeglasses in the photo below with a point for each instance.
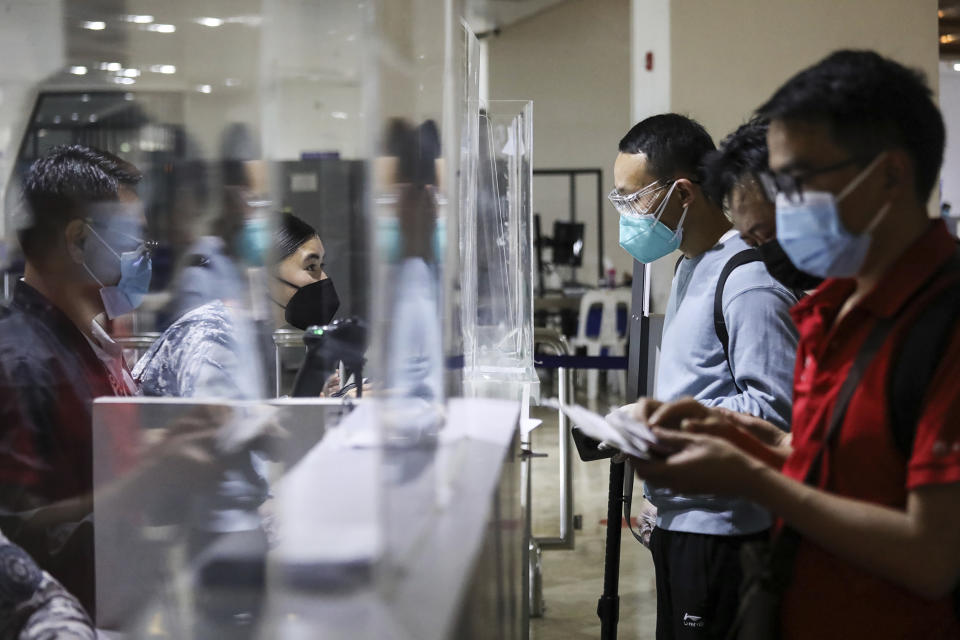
(791, 184)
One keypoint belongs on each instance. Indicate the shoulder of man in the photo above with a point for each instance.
(749, 276)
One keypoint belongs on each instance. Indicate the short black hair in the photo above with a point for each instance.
(870, 104)
(672, 143)
(290, 234)
(58, 188)
(742, 155)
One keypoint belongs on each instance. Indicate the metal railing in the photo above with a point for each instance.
(138, 342)
(557, 342)
(283, 338)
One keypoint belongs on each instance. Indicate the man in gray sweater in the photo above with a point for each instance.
(730, 346)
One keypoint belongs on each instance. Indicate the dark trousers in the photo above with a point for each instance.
(698, 583)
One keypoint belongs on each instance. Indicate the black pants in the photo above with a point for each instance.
(698, 583)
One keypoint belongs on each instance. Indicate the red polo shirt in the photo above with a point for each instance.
(829, 597)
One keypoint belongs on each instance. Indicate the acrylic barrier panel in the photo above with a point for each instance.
(497, 248)
(189, 497)
(414, 174)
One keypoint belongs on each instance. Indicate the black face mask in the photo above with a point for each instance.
(314, 304)
(783, 271)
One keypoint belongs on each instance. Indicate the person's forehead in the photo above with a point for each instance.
(800, 144)
(631, 172)
(311, 246)
(749, 207)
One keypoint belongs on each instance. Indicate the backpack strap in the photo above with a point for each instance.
(917, 358)
(720, 326)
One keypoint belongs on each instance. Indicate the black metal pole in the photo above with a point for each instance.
(608, 607)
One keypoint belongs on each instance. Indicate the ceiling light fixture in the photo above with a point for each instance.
(162, 28)
(94, 25)
(204, 88)
(210, 22)
(139, 19)
(78, 70)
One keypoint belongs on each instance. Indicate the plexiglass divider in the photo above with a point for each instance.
(497, 248)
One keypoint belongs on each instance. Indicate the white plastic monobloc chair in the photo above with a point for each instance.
(606, 336)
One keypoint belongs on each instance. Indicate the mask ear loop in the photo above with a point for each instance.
(683, 216)
(878, 218)
(860, 177)
(104, 243)
(663, 207)
(286, 282)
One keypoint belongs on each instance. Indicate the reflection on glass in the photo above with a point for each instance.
(223, 200)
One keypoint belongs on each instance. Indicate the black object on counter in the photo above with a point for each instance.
(344, 341)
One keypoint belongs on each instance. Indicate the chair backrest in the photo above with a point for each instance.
(603, 315)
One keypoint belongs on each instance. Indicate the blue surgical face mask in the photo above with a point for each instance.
(253, 240)
(646, 238)
(133, 279)
(813, 236)
(389, 238)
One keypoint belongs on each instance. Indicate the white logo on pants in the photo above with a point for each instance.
(692, 621)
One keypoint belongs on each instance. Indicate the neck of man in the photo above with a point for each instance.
(73, 303)
(901, 227)
(703, 228)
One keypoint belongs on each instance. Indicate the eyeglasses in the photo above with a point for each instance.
(638, 203)
(791, 184)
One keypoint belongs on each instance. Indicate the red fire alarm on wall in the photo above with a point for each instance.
(649, 61)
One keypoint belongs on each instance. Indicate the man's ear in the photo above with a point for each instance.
(687, 192)
(74, 235)
(898, 173)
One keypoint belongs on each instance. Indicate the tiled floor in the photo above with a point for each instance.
(573, 580)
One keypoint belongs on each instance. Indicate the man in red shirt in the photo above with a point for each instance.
(856, 144)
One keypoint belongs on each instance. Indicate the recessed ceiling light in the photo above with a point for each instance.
(110, 66)
(123, 80)
(163, 68)
(131, 73)
(339, 115)
(956, 66)
(161, 28)
(210, 22)
(204, 88)
(78, 70)
(248, 20)
(139, 19)
(231, 82)
(94, 25)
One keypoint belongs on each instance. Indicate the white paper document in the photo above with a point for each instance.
(618, 430)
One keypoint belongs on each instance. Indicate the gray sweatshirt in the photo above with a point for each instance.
(763, 346)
